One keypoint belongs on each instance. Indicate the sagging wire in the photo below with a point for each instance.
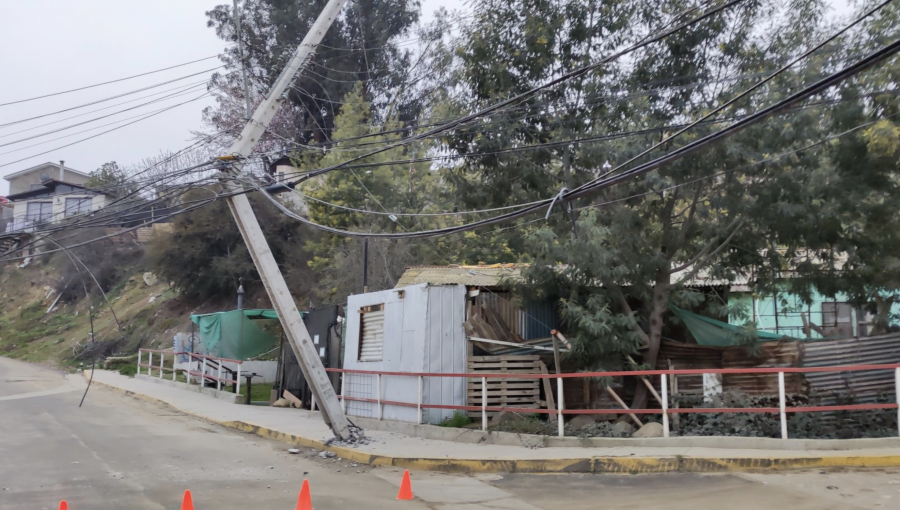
(73, 258)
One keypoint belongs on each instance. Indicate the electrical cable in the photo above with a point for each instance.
(108, 98)
(518, 97)
(205, 94)
(873, 58)
(104, 132)
(749, 90)
(106, 82)
(567, 142)
(31, 137)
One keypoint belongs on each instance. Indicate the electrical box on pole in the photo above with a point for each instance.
(294, 329)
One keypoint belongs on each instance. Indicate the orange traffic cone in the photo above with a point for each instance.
(304, 502)
(187, 503)
(63, 505)
(405, 487)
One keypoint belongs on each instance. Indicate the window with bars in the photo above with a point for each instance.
(371, 333)
(836, 314)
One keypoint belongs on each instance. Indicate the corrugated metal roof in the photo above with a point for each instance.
(474, 276)
(493, 276)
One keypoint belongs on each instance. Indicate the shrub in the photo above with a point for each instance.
(458, 420)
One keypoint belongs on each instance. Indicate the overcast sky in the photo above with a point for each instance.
(48, 46)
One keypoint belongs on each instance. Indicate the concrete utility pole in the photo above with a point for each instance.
(277, 289)
(237, 27)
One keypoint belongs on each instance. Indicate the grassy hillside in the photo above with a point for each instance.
(149, 315)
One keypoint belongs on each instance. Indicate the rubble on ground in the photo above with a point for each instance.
(357, 438)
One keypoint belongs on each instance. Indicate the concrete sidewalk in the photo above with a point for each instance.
(305, 428)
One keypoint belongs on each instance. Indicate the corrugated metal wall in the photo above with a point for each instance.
(445, 349)
(865, 387)
(534, 320)
(770, 355)
(824, 388)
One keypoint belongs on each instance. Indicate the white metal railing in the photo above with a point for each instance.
(205, 365)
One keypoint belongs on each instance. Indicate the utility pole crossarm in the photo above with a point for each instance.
(282, 300)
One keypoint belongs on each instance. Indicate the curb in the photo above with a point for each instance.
(595, 465)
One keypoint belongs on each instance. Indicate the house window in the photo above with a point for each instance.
(39, 211)
(371, 333)
(839, 316)
(77, 206)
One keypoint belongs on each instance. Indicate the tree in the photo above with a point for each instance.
(717, 212)
(205, 256)
(848, 238)
(111, 179)
(361, 45)
(362, 198)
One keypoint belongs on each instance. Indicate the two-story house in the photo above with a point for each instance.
(48, 193)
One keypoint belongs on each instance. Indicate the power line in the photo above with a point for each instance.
(106, 82)
(109, 98)
(521, 96)
(178, 88)
(873, 58)
(749, 90)
(70, 126)
(104, 132)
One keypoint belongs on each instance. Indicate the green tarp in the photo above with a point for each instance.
(708, 331)
(233, 334)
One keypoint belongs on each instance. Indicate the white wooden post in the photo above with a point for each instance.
(187, 374)
(238, 379)
(162, 361)
(378, 382)
(419, 401)
(897, 394)
(219, 377)
(150, 365)
(781, 405)
(344, 380)
(664, 385)
(559, 405)
(484, 399)
(139, 361)
(174, 362)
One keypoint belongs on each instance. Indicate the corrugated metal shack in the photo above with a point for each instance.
(418, 328)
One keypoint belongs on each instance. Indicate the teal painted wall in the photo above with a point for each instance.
(790, 322)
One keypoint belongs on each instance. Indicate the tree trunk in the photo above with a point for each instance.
(882, 314)
(657, 309)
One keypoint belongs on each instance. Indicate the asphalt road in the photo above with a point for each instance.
(117, 452)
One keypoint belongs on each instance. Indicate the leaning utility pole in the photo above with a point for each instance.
(278, 291)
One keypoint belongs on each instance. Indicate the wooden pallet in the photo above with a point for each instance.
(521, 393)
